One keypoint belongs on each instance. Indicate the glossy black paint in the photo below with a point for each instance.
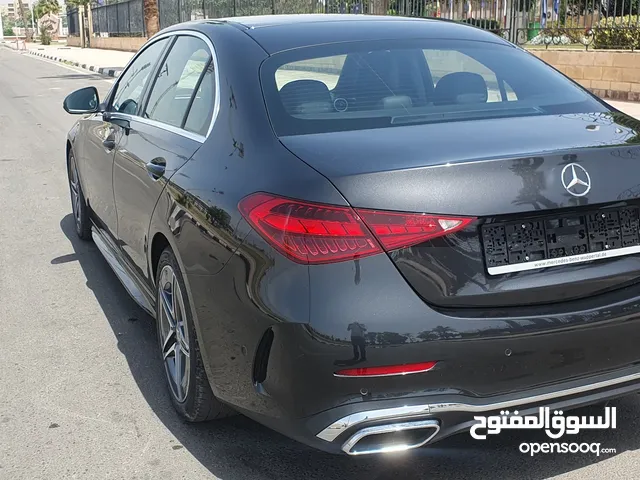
(239, 286)
(136, 190)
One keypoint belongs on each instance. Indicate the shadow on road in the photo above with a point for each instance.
(238, 448)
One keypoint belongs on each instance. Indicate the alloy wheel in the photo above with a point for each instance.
(174, 337)
(74, 183)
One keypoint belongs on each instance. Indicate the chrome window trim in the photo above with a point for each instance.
(164, 126)
(332, 432)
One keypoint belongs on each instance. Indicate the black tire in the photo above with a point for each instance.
(78, 204)
(196, 402)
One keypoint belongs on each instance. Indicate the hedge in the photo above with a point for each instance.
(617, 32)
(486, 24)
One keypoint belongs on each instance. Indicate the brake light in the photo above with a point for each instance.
(386, 371)
(314, 233)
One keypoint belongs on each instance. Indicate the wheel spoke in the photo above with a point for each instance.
(184, 346)
(187, 372)
(168, 348)
(77, 204)
(75, 190)
(175, 296)
(177, 372)
(167, 308)
(169, 343)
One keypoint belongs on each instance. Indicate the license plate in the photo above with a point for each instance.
(543, 242)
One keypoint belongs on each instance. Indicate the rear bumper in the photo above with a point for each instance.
(455, 414)
(482, 360)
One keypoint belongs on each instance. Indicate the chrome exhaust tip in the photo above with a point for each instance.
(390, 438)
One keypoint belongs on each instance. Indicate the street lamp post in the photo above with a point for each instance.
(1, 30)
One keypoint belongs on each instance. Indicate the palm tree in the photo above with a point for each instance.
(27, 31)
(44, 7)
(151, 17)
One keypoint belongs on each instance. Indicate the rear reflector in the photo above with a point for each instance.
(386, 371)
(314, 233)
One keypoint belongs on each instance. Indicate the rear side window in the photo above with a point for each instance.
(352, 86)
(203, 104)
(177, 80)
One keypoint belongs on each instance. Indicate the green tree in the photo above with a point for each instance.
(7, 26)
(444, 332)
(21, 23)
(76, 3)
(44, 7)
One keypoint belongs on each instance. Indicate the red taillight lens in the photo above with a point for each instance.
(317, 233)
(386, 371)
(398, 230)
(308, 232)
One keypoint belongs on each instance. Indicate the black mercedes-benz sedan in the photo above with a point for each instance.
(362, 231)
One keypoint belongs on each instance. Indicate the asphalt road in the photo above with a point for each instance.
(82, 392)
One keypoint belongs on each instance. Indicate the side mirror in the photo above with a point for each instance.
(82, 101)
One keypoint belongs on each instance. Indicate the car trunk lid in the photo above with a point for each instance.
(513, 175)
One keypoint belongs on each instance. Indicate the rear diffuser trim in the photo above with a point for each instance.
(331, 432)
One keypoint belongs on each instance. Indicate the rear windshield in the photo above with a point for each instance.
(355, 86)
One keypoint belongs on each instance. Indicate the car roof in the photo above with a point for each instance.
(276, 33)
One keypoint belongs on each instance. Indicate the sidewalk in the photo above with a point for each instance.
(630, 108)
(106, 62)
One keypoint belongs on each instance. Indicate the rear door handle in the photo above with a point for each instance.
(156, 168)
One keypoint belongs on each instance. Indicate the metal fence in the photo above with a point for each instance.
(487, 13)
(124, 19)
(604, 24)
(73, 22)
(570, 23)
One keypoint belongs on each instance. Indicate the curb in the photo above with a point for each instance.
(109, 72)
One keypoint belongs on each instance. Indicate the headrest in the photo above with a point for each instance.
(397, 101)
(460, 88)
(305, 96)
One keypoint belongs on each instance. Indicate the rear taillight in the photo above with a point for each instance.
(317, 233)
(398, 230)
(308, 232)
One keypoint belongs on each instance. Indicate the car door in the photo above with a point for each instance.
(166, 131)
(102, 132)
(94, 151)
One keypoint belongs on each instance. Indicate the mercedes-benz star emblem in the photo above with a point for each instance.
(576, 180)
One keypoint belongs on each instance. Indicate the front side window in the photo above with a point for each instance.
(132, 82)
(177, 80)
(354, 86)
